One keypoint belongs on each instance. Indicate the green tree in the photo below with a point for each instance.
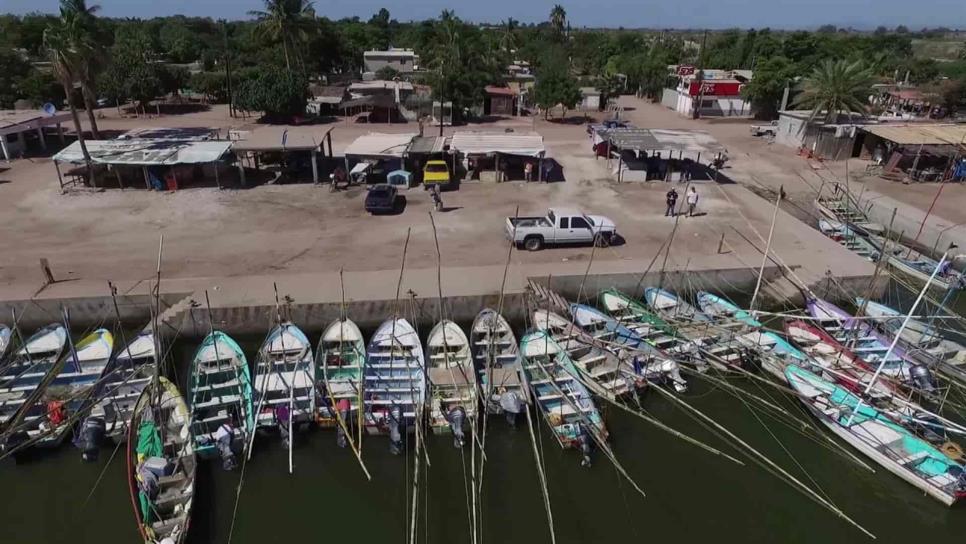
(555, 85)
(65, 41)
(13, 68)
(275, 92)
(558, 18)
(508, 35)
(40, 87)
(134, 72)
(766, 89)
(288, 22)
(387, 73)
(835, 87)
(88, 56)
(209, 84)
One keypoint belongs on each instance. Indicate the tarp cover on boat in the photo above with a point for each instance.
(149, 445)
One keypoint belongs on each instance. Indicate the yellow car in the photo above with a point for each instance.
(435, 173)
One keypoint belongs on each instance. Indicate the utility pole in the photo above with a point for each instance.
(231, 101)
(699, 76)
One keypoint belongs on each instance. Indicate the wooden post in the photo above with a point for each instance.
(60, 178)
(241, 174)
(764, 259)
(721, 243)
(217, 181)
(117, 174)
(43, 141)
(620, 168)
(315, 167)
(60, 134)
(147, 180)
(48, 275)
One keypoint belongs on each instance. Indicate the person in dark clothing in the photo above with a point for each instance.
(671, 198)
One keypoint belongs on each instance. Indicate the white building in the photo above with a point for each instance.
(404, 61)
(717, 94)
(17, 125)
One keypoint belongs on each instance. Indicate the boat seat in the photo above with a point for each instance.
(221, 385)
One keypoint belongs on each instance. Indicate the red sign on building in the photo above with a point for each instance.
(715, 88)
(685, 70)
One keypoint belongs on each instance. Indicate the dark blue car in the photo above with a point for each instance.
(381, 199)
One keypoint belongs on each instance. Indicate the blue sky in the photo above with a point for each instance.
(608, 13)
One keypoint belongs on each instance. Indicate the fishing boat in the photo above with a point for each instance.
(643, 322)
(161, 464)
(284, 380)
(23, 373)
(917, 333)
(839, 209)
(120, 386)
(777, 351)
(220, 396)
(887, 443)
(870, 345)
(452, 380)
(601, 371)
(66, 395)
(918, 266)
(340, 358)
(641, 359)
(850, 239)
(671, 307)
(395, 382)
(564, 402)
(496, 355)
(5, 342)
(714, 339)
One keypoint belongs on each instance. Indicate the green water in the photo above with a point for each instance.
(692, 495)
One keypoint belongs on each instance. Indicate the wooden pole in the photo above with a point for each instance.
(764, 258)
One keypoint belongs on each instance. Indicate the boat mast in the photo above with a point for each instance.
(898, 334)
(764, 257)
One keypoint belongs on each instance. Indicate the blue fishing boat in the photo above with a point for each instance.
(890, 445)
(220, 397)
(672, 307)
(564, 402)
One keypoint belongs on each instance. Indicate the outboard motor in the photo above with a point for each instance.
(395, 435)
(584, 441)
(223, 438)
(13, 441)
(923, 378)
(89, 437)
(456, 416)
(512, 406)
(340, 437)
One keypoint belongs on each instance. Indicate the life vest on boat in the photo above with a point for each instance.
(55, 412)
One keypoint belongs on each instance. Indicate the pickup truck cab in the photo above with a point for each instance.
(435, 173)
(560, 227)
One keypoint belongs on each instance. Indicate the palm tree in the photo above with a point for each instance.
(91, 59)
(835, 86)
(65, 42)
(558, 18)
(508, 40)
(287, 21)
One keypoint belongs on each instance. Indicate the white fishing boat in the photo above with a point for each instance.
(452, 380)
(837, 209)
(284, 379)
(5, 342)
(919, 334)
(25, 371)
(340, 358)
(395, 379)
(887, 443)
(121, 384)
(600, 370)
(67, 393)
(496, 356)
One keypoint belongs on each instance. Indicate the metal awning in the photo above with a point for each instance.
(508, 143)
(426, 145)
(134, 152)
(378, 145)
(656, 139)
(945, 134)
(277, 139)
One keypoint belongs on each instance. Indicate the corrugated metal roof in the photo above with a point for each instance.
(145, 152)
(380, 145)
(658, 139)
(11, 119)
(510, 143)
(947, 134)
(270, 139)
(427, 144)
(181, 134)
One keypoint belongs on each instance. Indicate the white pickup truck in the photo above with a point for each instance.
(560, 227)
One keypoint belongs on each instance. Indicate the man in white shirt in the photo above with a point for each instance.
(692, 199)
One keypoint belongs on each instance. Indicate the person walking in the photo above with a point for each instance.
(528, 171)
(692, 200)
(671, 198)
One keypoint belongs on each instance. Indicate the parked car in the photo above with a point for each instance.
(381, 198)
(559, 227)
(436, 173)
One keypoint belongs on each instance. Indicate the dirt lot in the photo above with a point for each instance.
(304, 228)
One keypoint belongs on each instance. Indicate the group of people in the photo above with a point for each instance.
(671, 198)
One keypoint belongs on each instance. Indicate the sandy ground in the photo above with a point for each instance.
(91, 237)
